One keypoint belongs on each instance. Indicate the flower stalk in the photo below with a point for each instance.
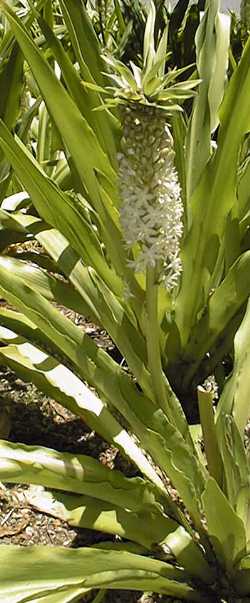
(153, 337)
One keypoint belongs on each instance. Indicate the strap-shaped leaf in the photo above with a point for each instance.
(87, 512)
(83, 39)
(142, 527)
(179, 129)
(162, 440)
(223, 305)
(60, 383)
(57, 208)
(14, 324)
(149, 47)
(212, 45)
(64, 256)
(8, 222)
(73, 343)
(11, 83)
(48, 286)
(201, 246)
(38, 571)
(138, 519)
(71, 124)
(79, 474)
(225, 529)
(62, 595)
(100, 302)
(244, 195)
(129, 341)
(80, 140)
(51, 471)
(86, 99)
(235, 463)
(11, 86)
(236, 469)
(235, 396)
(174, 456)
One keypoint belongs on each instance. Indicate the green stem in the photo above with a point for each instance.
(153, 338)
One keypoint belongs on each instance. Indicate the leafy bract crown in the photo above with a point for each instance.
(149, 84)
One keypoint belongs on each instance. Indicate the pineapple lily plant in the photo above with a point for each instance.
(143, 213)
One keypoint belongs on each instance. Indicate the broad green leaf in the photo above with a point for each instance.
(45, 153)
(148, 45)
(11, 84)
(83, 39)
(181, 464)
(65, 335)
(37, 571)
(212, 45)
(202, 244)
(150, 529)
(75, 344)
(146, 528)
(73, 128)
(162, 440)
(236, 470)
(232, 243)
(86, 100)
(244, 194)
(57, 208)
(97, 298)
(62, 253)
(224, 303)
(60, 383)
(179, 129)
(9, 222)
(127, 338)
(63, 595)
(225, 529)
(235, 396)
(15, 202)
(79, 474)
(47, 285)
(106, 309)
(10, 320)
(189, 555)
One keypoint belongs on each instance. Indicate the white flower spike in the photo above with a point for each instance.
(151, 211)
